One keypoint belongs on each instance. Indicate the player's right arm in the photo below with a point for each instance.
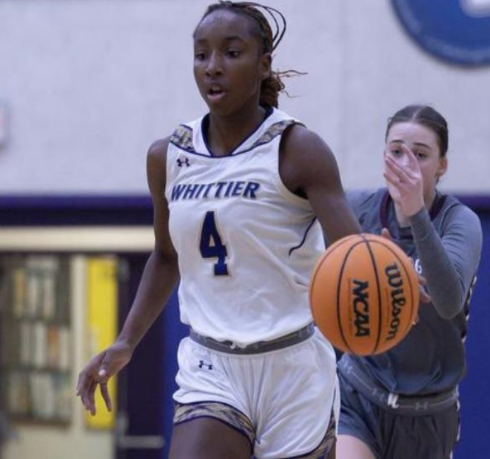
(157, 282)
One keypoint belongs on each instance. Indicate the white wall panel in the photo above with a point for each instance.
(90, 84)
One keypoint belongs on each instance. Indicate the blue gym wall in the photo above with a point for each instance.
(475, 396)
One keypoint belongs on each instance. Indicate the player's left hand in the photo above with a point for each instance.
(405, 181)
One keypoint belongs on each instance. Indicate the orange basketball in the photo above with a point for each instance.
(364, 294)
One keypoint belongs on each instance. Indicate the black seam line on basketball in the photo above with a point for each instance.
(317, 270)
(338, 294)
(375, 266)
(409, 324)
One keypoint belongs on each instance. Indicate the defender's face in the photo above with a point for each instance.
(229, 65)
(424, 145)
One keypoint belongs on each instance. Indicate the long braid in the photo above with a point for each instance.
(273, 85)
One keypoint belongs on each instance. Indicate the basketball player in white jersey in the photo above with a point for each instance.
(240, 198)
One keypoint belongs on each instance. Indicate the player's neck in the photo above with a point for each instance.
(430, 198)
(226, 133)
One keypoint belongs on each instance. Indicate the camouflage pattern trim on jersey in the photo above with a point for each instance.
(182, 138)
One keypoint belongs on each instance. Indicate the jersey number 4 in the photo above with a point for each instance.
(211, 245)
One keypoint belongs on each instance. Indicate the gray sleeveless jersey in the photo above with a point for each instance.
(431, 358)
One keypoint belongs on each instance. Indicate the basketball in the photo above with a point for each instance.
(364, 294)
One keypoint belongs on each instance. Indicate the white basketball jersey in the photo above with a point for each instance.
(246, 245)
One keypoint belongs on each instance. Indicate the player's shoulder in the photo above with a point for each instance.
(306, 160)
(159, 147)
(306, 151)
(456, 211)
(299, 138)
(156, 162)
(157, 153)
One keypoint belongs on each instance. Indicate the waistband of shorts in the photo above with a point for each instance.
(260, 347)
(411, 405)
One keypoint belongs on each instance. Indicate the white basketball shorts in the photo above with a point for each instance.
(285, 398)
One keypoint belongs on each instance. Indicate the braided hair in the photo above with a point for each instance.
(270, 33)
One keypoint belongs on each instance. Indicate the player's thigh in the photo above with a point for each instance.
(297, 416)
(207, 438)
(360, 432)
(349, 447)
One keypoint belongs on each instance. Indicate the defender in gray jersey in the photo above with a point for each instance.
(404, 403)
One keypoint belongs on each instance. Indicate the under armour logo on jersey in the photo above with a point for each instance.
(202, 364)
(185, 161)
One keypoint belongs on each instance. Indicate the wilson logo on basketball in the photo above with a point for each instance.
(361, 307)
(364, 294)
(398, 299)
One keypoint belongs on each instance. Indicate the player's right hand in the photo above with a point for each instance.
(98, 371)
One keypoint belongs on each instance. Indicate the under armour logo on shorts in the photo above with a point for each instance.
(207, 365)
